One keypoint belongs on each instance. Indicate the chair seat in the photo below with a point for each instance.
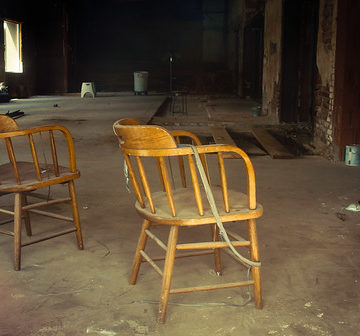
(187, 212)
(28, 177)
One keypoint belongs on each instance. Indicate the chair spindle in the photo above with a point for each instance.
(167, 186)
(134, 181)
(223, 182)
(145, 183)
(12, 158)
(54, 154)
(35, 157)
(196, 187)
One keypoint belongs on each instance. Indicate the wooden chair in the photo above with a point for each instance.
(24, 174)
(186, 206)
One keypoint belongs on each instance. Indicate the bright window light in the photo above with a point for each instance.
(12, 39)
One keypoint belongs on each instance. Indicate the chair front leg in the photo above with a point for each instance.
(26, 216)
(17, 231)
(254, 253)
(167, 272)
(76, 216)
(140, 247)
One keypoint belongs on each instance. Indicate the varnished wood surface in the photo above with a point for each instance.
(188, 205)
(7, 124)
(20, 176)
(187, 214)
(29, 180)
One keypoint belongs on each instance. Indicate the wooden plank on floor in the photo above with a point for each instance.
(221, 136)
(275, 149)
(246, 142)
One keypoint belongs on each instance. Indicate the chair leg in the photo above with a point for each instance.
(167, 272)
(254, 252)
(17, 232)
(26, 216)
(141, 246)
(76, 216)
(217, 257)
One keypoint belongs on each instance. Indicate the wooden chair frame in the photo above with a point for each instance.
(138, 142)
(22, 178)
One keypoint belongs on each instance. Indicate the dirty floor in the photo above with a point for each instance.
(309, 244)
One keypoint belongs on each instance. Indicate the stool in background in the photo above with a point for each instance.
(88, 87)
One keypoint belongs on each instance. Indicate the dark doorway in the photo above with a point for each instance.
(300, 26)
(347, 76)
(253, 57)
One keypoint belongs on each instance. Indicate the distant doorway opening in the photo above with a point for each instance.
(12, 39)
(300, 29)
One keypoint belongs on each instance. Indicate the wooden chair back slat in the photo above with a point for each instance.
(196, 142)
(134, 144)
(27, 170)
(12, 159)
(134, 181)
(182, 171)
(195, 184)
(35, 157)
(54, 154)
(204, 164)
(167, 186)
(145, 183)
(160, 173)
(181, 165)
(223, 180)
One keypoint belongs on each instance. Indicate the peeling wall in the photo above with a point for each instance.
(272, 58)
(324, 92)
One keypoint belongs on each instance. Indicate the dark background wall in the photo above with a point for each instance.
(68, 42)
(109, 40)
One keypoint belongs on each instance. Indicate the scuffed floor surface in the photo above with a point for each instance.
(309, 246)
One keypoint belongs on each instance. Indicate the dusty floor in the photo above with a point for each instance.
(309, 245)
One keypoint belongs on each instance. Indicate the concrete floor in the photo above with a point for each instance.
(309, 245)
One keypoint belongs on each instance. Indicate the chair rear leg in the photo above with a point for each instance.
(26, 216)
(217, 256)
(17, 232)
(167, 273)
(140, 246)
(76, 216)
(254, 252)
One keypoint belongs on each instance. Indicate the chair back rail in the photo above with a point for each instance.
(27, 135)
(133, 147)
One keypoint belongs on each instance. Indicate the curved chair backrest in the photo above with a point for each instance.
(144, 137)
(29, 143)
(140, 141)
(7, 124)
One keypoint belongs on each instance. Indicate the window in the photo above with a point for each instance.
(12, 39)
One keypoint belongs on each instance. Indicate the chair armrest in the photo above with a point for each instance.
(31, 131)
(181, 133)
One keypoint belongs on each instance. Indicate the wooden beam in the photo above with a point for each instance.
(246, 142)
(221, 136)
(275, 149)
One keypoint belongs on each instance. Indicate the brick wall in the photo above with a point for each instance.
(324, 92)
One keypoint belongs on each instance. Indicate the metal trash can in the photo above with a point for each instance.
(352, 155)
(141, 82)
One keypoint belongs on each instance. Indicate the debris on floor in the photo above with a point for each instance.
(16, 114)
(353, 207)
